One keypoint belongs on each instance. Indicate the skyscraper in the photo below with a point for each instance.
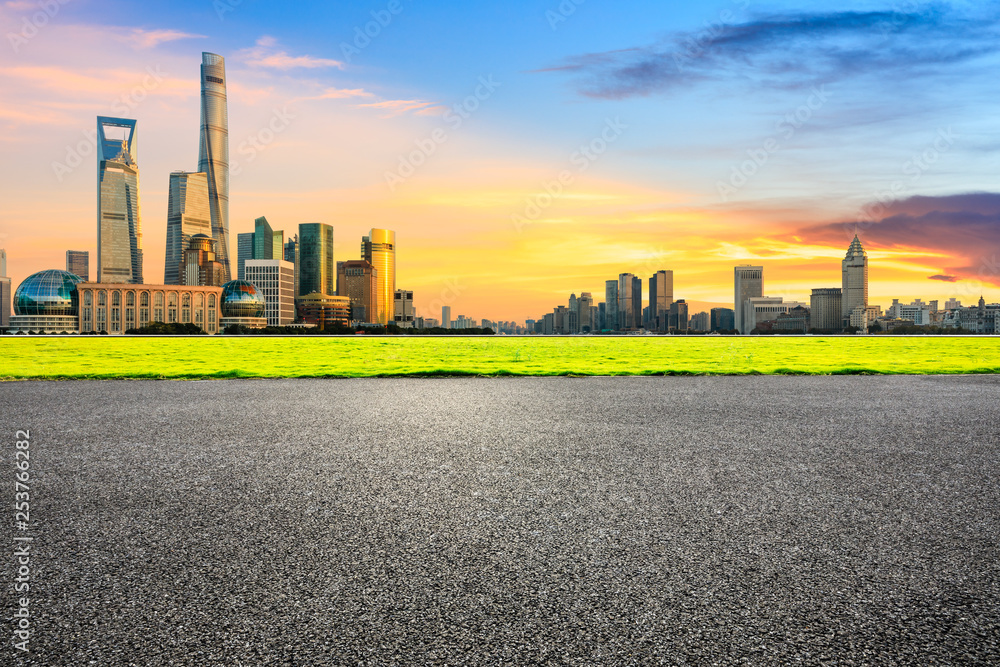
(358, 280)
(119, 226)
(661, 295)
(854, 270)
(629, 301)
(611, 305)
(826, 309)
(77, 263)
(213, 151)
(244, 251)
(749, 283)
(586, 310)
(198, 266)
(5, 293)
(379, 250)
(317, 272)
(446, 317)
(292, 255)
(187, 215)
(267, 243)
(273, 280)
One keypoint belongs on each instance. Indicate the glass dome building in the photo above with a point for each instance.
(48, 302)
(242, 304)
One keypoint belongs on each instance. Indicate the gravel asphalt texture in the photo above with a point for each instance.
(690, 521)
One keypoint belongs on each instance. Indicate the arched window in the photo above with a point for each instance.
(88, 298)
(159, 299)
(116, 298)
(211, 301)
(130, 299)
(102, 298)
(199, 300)
(186, 300)
(172, 299)
(144, 299)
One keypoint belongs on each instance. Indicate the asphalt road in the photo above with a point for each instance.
(725, 520)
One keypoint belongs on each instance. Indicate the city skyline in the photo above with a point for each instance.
(300, 106)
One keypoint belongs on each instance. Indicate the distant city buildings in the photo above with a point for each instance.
(722, 319)
(5, 293)
(854, 270)
(199, 266)
(317, 272)
(446, 317)
(826, 310)
(119, 227)
(403, 309)
(379, 250)
(358, 280)
(749, 283)
(77, 263)
(187, 216)
(661, 295)
(274, 280)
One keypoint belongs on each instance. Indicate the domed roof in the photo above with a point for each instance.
(51, 292)
(241, 299)
(201, 236)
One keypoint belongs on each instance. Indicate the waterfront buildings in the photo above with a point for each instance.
(292, 255)
(119, 224)
(629, 302)
(610, 305)
(358, 280)
(213, 151)
(826, 310)
(267, 243)
(446, 317)
(244, 251)
(749, 283)
(274, 280)
(324, 309)
(187, 216)
(677, 318)
(722, 319)
(6, 298)
(77, 263)
(379, 250)
(764, 309)
(116, 308)
(198, 265)
(661, 295)
(403, 309)
(854, 269)
(317, 272)
(242, 304)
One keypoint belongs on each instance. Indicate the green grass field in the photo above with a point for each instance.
(25, 358)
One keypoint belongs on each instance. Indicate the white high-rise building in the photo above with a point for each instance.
(749, 283)
(275, 281)
(855, 280)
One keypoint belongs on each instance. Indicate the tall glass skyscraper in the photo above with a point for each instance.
(629, 301)
(379, 250)
(317, 272)
(213, 151)
(267, 243)
(119, 226)
(611, 305)
(187, 215)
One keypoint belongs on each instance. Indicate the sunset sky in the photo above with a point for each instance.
(719, 133)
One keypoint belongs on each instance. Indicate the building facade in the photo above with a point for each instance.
(267, 243)
(116, 308)
(199, 266)
(324, 309)
(722, 319)
(677, 316)
(274, 280)
(358, 280)
(292, 255)
(661, 295)
(610, 305)
(77, 263)
(403, 309)
(244, 251)
(826, 310)
(854, 271)
(629, 302)
(119, 223)
(213, 152)
(379, 250)
(187, 216)
(446, 317)
(749, 283)
(317, 272)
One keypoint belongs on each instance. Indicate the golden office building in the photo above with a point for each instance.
(379, 250)
(358, 280)
(116, 308)
(324, 309)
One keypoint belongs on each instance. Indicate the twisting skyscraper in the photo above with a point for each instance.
(119, 226)
(213, 151)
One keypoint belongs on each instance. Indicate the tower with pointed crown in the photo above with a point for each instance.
(855, 279)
